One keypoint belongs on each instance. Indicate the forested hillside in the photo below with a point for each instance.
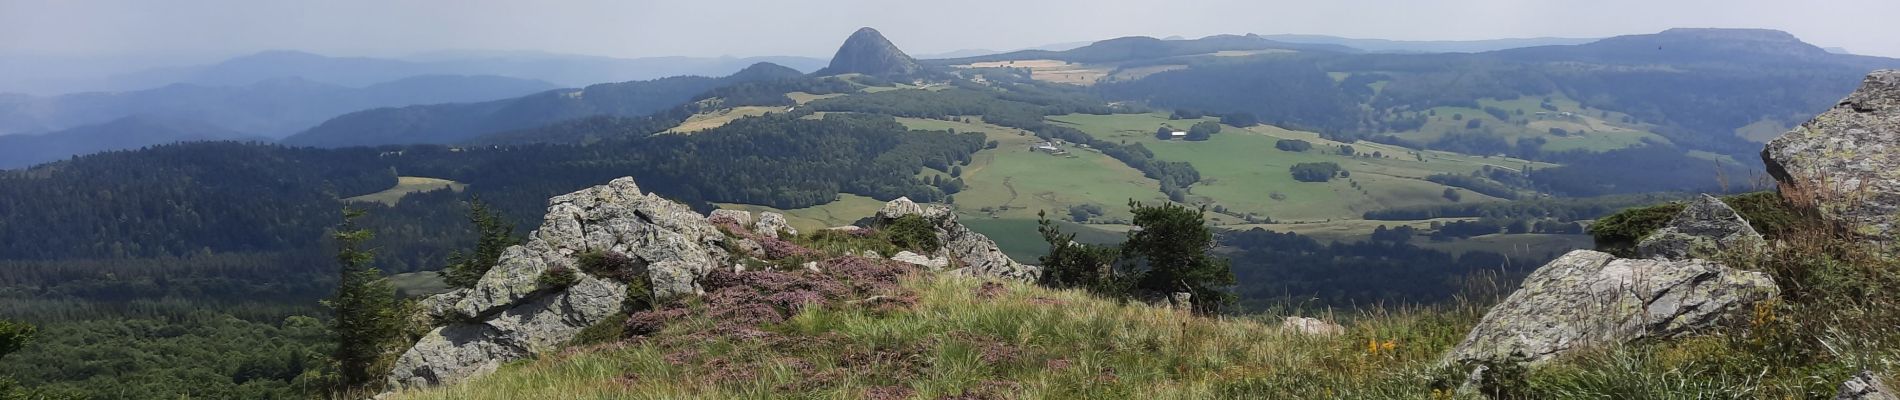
(457, 122)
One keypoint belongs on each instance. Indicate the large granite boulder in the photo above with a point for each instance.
(971, 253)
(1845, 163)
(1705, 228)
(1866, 386)
(1588, 298)
(510, 314)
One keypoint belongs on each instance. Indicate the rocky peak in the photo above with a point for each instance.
(1845, 163)
(868, 52)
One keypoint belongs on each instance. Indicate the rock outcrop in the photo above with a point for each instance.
(1866, 386)
(510, 314)
(1705, 228)
(1311, 326)
(1588, 298)
(773, 224)
(1845, 163)
(970, 253)
(868, 52)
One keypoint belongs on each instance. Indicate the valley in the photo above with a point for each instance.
(191, 240)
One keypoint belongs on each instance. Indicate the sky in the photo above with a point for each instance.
(635, 28)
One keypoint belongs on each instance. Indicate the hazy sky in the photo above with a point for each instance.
(814, 28)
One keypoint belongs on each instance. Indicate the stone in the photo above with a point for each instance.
(968, 252)
(509, 315)
(934, 264)
(1705, 228)
(1588, 298)
(1181, 300)
(1845, 163)
(1311, 326)
(773, 224)
(741, 217)
(1866, 386)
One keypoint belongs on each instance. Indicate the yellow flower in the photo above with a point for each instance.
(1390, 344)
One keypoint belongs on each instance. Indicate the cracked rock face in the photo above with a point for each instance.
(509, 315)
(1588, 298)
(970, 253)
(1846, 161)
(1705, 228)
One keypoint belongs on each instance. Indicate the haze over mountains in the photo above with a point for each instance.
(564, 70)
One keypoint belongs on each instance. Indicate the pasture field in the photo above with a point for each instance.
(1242, 171)
(406, 185)
(718, 118)
(1591, 130)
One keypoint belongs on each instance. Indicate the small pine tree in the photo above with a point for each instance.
(1174, 246)
(366, 320)
(494, 235)
(1070, 264)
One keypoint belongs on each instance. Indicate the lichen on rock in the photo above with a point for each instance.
(508, 314)
(970, 253)
(1706, 228)
(1588, 298)
(1845, 163)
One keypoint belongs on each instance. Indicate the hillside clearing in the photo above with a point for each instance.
(718, 118)
(406, 185)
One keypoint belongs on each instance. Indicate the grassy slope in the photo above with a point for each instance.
(1027, 342)
(406, 185)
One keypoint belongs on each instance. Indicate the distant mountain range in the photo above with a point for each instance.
(44, 75)
(274, 107)
(121, 134)
(459, 122)
(1148, 48)
(1427, 46)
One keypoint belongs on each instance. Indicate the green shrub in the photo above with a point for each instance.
(913, 232)
(610, 265)
(1618, 233)
(557, 277)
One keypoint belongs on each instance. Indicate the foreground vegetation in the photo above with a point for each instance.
(941, 336)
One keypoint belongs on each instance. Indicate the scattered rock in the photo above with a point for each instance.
(1311, 326)
(773, 224)
(1588, 298)
(1845, 163)
(970, 252)
(921, 260)
(1866, 386)
(739, 217)
(1705, 228)
(507, 315)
